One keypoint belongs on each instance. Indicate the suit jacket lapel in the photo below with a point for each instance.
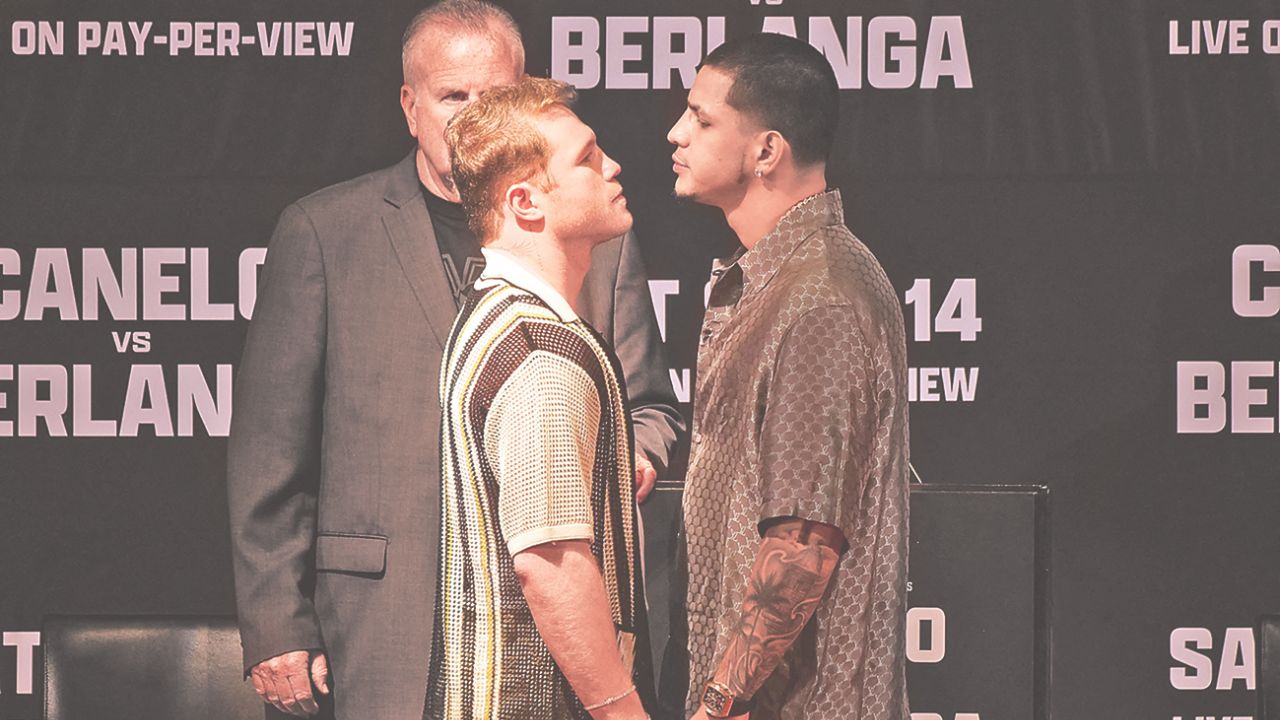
(408, 226)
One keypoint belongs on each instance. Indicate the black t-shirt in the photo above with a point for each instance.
(459, 248)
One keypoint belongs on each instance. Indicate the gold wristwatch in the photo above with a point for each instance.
(719, 702)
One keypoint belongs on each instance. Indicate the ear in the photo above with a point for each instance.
(408, 99)
(521, 203)
(771, 148)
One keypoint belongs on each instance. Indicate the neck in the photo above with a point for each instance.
(440, 186)
(562, 265)
(767, 199)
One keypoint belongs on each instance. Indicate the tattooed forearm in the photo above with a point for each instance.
(789, 577)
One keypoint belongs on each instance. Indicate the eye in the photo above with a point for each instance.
(456, 96)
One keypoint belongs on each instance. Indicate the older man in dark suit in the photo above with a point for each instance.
(334, 461)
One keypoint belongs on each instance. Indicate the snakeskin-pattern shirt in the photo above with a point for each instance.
(801, 411)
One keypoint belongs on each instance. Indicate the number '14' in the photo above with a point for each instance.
(957, 314)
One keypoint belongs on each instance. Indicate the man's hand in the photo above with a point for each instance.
(646, 476)
(284, 681)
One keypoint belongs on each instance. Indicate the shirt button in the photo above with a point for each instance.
(697, 437)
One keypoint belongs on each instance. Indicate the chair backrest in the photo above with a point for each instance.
(145, 668)
(1267, 647)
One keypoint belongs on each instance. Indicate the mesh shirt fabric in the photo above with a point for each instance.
(543, 453)
(801, 411)
(536, 447)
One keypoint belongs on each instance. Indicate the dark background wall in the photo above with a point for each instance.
(1092, 184)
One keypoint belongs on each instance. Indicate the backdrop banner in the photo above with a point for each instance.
(1076, 201)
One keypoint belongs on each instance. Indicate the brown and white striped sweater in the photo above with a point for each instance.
(536, 447)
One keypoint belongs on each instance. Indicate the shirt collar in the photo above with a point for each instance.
(763, 260)
(502, 265)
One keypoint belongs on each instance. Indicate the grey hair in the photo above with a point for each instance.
(475, 16)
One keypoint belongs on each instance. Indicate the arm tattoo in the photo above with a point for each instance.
(787, 582)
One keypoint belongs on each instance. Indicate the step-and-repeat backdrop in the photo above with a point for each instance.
(1076, 200)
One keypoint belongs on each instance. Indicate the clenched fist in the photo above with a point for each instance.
(286, 681)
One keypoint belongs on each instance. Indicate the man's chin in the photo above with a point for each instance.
(624, 225)
(686, 195)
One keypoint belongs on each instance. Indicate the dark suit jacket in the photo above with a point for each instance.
(334, 456)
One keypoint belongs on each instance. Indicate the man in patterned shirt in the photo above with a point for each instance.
(539, 604)
(796, 495)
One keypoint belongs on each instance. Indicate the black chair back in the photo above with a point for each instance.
(145, 668)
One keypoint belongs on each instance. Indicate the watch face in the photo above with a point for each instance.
(716, 701)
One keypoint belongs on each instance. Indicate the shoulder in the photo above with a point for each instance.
(523, 321)
(348, 214)
(513, 334)
(835, 299)
(853, 270)
(835, 276)
(542, 330)
(369, 190)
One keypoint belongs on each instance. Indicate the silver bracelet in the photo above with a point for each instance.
(611, 700)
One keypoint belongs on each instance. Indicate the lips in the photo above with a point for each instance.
(676, 162)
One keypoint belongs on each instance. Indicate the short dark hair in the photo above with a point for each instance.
(786, 85)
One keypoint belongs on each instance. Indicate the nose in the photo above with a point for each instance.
(610, 167)
(676, 135)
